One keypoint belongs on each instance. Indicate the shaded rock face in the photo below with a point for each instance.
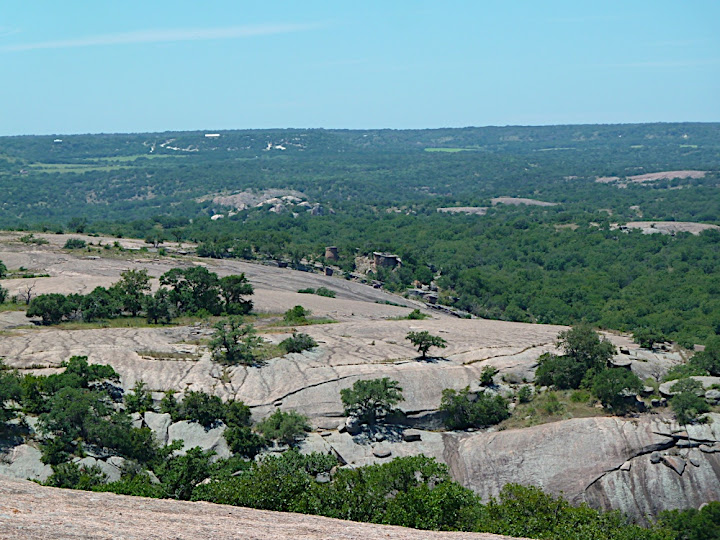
(637, 466)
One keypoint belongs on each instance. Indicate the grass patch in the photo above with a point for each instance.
(414, 315)
(552, 406)
(320, 291)
(268, 351)
(306, 322)
(12, 306)
(120, 322)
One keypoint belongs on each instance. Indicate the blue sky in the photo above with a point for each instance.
(88, 67)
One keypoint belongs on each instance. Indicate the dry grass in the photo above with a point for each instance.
(553, 406)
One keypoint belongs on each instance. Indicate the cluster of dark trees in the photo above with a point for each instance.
(183, 291)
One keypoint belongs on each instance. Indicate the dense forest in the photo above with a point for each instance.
(380, 190)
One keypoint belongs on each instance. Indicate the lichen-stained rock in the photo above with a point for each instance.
(586, 459)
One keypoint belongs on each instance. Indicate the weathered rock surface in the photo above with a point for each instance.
(112, 472)
(29, 511)
(23, 461)
(193, 434)
(586, 460)
(159, 424)
(666, 387)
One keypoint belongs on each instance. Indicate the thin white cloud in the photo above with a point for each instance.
(164, 36)
(6, 31)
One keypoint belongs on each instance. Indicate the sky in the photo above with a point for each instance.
(136, 66)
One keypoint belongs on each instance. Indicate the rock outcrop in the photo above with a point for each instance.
(638, 466)
(29, 511)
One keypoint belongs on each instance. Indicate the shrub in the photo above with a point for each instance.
(71, 476)
(562, 372)
(234, 343)
(284, 427)
(324, 291)
(487, 374)
(370, 400)
(616, 388)
(140, 400)
(648, 337)
(296, 315)
(202, 408)
(525, 394)
(298, 343)
(243, 441)
(75, 243)
(686, 403)
(463, 412)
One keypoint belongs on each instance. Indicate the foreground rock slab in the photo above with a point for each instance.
(31, 511)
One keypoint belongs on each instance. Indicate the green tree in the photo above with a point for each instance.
(71, 476)
(370, 400)
(647, 337)
(132, 290)
(585, 356)
(285, 427)
(193, 289)
(233, 289)
(10, 391)
(243, 441)
(180, 475)
(692, 524)
(52, 307)
(140, 400)
(77, 224)
(100, 304)
(464, 410)
(584, 345)
(616, 389)
(709, 359)
(687, 403)
(202, 408)
(159, 308)
(3, 270)
(424, 340)
(234, 342)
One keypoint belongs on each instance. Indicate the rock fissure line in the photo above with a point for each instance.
(642, 452)
(506, 355)
(315, 385)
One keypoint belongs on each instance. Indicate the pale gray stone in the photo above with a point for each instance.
(193, 434)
